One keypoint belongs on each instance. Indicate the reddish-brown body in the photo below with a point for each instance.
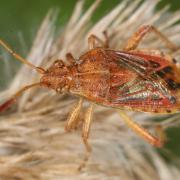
(102, 76)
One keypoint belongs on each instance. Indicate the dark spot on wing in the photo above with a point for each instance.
(167, 69)
(172, 99)
(161, 74)
(172, 84)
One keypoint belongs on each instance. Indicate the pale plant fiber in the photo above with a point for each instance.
(33, 143)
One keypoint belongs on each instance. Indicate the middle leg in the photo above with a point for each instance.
(86, 127)
(85, 134)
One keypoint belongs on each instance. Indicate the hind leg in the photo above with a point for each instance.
(138, 36)
(155, 141)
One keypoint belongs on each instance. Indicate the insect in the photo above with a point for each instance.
(130, 79)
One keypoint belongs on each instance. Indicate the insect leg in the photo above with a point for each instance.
(73, 117)
(160, 133)
(85, 134)
(71, 60)
(86, 126)
(92, 39)
(106, 42)
(137, 37)
(158, 142)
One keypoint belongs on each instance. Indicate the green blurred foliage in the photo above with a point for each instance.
(19, 21)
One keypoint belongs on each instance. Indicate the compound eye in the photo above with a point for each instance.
(58, 63)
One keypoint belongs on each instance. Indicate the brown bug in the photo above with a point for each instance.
(138, 80)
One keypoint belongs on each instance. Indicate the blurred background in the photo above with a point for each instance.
(20, 19)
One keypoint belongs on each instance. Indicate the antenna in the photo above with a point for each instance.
(12, 100)
(21, 59)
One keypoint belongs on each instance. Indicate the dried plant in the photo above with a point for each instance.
(33, 143)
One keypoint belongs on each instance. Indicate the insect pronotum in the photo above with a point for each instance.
(129, 79)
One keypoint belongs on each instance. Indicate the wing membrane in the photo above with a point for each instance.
(145, 90)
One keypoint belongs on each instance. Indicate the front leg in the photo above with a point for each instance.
(73, 117)
(137, 37)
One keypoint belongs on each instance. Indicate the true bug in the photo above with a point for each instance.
(131, 79)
